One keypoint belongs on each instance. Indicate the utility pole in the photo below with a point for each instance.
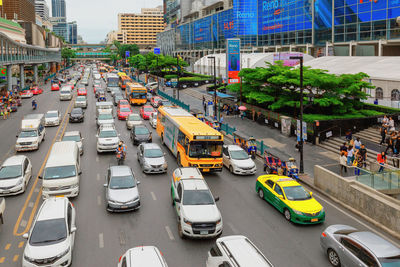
(177, 69)
(215, 87)
(300, 58)
(158, 76)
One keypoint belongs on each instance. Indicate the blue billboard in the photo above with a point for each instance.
(245, 15)
(233, 60)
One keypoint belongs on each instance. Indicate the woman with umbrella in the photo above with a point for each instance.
(242, 111)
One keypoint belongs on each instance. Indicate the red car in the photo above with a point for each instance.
(82, 91)
(123, 112)
(95, 87)
(123, 103)
(154, 101)
(26, 94)
(145, 112)
(55, 87)
(36, 90)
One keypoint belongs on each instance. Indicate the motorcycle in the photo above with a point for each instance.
(120, 158)
(34, 105)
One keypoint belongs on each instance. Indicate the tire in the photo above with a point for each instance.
(162, 139)
(265, 168)
(261, 193)
(172, 199)
(180, 231)
(230, 169)
(333, 258)
(288, 215)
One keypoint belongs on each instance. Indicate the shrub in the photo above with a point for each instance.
(170, 76)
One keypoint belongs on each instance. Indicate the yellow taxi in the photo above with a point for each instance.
(290, 198)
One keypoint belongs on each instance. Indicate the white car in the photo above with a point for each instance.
(107, 139)
(153, 119)
(80, 102)
(74, 136)
(142, 256)
(237, 160)
(15, 174)
(132, 120)
(51, 238)
(52, 118)
(105, 118)
(198, 215)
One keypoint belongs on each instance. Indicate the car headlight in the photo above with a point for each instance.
(146, 165)
(63, 253)
(187, 221)
(165, 165)
(20, 181)
(112, 201)
(34, 142)
(322, 210)
(298, 212)
(29, 258)
(133, 200)
(219, 221)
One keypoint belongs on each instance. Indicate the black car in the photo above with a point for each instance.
(140, 134)
(76, 115)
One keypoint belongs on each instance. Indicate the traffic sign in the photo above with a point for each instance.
(127, 54)
(157, 50)
(3, 72)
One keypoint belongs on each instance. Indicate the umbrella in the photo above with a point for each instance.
(242, 108)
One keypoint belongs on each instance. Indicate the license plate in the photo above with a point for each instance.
(206, 170)
(124, 207)
(6, 192)
(59, 195)
(314, 220)
(205, 232)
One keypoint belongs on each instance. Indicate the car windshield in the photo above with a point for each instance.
(75, 138)
(296, 193)
(8, 172)
(25, 134)
(122, 182)
(390, 262)
(108, 134)
(51, 115)
(141, 130)
(134, 117)
(239, 154)
(105, 117)
(125, 109)
(153, 153)
(65, 92)
(80, 98)
(197, 197)
(76, 111)
(205, 149)
(59, 172)
(48, 232)
(148, 109)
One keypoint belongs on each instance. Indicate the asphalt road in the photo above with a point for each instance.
(102, 237)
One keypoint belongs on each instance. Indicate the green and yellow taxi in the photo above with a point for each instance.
(290, 198)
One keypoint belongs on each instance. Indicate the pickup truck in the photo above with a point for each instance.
(2, 208)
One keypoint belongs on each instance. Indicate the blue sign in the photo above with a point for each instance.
(233, 60)
(245, 14)
(157, 50)
(127, 54)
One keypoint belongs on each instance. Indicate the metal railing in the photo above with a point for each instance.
(13, 53)
(173, 100)
(388, 179)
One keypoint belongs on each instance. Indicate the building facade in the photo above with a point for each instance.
(58, 8)
(42, 9)
(19, 10)
(13, 30)
(60, 27)
(72, 32)
(140, 29)
(322, 27)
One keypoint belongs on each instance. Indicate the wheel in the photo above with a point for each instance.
(333, 258)
(287, 214)
(180, 231)
(265, 168)
(261, 193)
(162, 139)
(231, 169)
(172, 199)
(178, 159)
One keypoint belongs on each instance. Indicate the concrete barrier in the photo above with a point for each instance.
(384, 211)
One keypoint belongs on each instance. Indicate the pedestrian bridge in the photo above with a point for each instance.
(92, 55)
(14, 53)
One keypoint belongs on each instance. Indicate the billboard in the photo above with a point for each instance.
(233, 60)
(285, 57)
(157, 50)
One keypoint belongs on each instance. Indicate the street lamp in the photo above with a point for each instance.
(215, 89)
(158, 75)
(300, 58)
(177, 70)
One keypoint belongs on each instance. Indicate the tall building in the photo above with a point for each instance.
(323, 27)
(140, 29)
(58, 8)
(19, 10)
(60, 27)
(72, 32)
(42, 9)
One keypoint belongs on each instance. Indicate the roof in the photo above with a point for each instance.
(151, 146)
(234, 148)
(120, 171)
(72, 133)
(14, 160)
(376, 244)
(194, 184)
(281, 180)
(384, 68)
(189, 172)
(62, 154)
(145, 256)
(52, 111)
(52, 208)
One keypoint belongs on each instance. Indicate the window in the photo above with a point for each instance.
(395, 96)
(351, 246)
(367, 258)
(123, 262)
(270, 183)
(278, 190)
(215, 252)
(179, 189)
(379, 93)
(69, 214)
(224, 264)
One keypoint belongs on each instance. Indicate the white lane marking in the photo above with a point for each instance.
(99, 200)
(97, 159)
(355, 219)
(30, 204)
(101, 240)
(169, 232)
(234, 230)
(23, 223)
(153, 195)
(98, 177)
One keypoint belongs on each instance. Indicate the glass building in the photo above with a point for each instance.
(58, 8)
(72, 32)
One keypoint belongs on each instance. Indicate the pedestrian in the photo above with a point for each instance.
(350, 155)
(381, 161)
(385, 122)
(343, 163)
(205, 109)
(363, 152)
(397, 145)
(221, 120)
(391, 125)
(2, 113)
(358, 163)
(357, 143)
(383, 135)
(204, 100)
(343, 147)
(390, 142)
(349, 135)
(242, 114)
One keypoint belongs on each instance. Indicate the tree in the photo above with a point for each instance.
(67, 54)
(122, 48)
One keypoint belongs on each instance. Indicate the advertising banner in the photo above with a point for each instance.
(3, 72)
(233, 60)
(285, 57)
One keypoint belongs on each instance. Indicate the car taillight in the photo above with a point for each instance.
(120, 258)
(323, 234)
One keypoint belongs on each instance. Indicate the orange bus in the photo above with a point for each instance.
(123, 81)
(136, 93)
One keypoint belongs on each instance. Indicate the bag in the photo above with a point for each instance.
(355, 163)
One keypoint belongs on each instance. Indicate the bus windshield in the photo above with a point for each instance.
(205, 149)
(139, 95)
(112, 82)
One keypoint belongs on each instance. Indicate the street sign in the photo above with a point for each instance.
(3, 72)
(127, 54)
(304, 130)
(157, 50)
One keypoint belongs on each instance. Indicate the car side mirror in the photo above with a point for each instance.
(80, 172)
(281, 197)
(216, 199)
(40, 177)
(73, 229)
(138, 182)
(26, 235)
(249, 156)
(165, 154)
(177, 200)
(82, 138)
(16, 136)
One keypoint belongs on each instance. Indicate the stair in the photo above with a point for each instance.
(372, 134)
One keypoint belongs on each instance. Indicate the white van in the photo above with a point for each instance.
(66, 93)
(62, 170)
(32, 133)
(104, 107)
(235, 251)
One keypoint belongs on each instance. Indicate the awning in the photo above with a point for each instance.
(221, 95)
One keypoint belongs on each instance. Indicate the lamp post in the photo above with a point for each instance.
(177, 69)
(300, 58)
(215, 88)
(158, 76)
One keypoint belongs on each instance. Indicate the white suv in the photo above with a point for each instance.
(107, 139)
(142, 256)
(51, 238)
(237, 160)
(198, 215)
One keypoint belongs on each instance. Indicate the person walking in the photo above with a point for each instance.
(204, 100)
(385, 122)
(363, 152)
(391, 125)
(381, 161)
(390, 142)
(343, 147)
(357, 143)
(397, 145)
(350, 155)
(358, 163)
(343, 162)
(383, 135)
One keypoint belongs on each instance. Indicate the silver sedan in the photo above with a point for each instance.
(151, 158)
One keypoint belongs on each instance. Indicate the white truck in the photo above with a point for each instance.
(32, 133)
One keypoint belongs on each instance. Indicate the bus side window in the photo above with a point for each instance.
(181, 138)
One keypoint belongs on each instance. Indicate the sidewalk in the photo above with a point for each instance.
(278, 144)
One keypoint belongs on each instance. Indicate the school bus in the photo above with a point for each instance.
(123, 80)
(192, 142)
(136, 93)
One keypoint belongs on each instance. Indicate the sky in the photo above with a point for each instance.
(96, 18)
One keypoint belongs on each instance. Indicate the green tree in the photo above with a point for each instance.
(67, 54)
(122, 48)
